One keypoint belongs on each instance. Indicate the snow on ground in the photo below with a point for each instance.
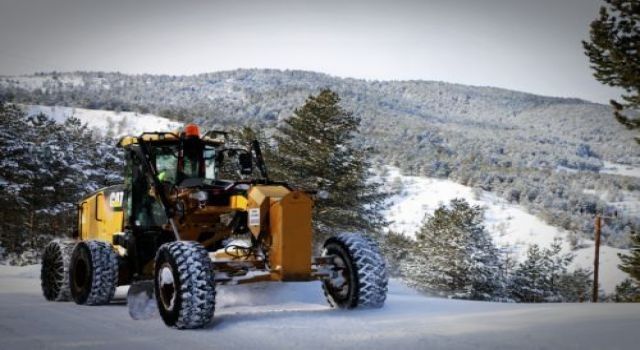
(610, 274)
(295, 315)
(510, 225)
(119, 123)
(626, 202)
(620, 169)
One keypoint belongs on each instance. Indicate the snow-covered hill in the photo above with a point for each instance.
(510, 225)
(295, 315)
(620, 169)
(107, 122)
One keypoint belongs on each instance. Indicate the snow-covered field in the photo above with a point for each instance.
(295, 315)
(511, 226)
(620, 169)
(118, 123)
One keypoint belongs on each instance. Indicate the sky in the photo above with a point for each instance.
(527, 45)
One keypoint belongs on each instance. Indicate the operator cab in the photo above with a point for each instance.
(179, 162)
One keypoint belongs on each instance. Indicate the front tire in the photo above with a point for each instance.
(54, 275)
(359, 279)
(93, 273)
(184, 285)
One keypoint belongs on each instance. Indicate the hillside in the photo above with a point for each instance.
(550, 155)
(511, 227)
(107, 123)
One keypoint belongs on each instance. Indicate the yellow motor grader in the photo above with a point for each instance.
(195, 211)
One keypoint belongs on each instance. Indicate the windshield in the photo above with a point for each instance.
(210, 169)
(167, 163)
(191, 163)
(199, 162)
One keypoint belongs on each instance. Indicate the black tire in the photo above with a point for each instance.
(54, 275)
(93, 275)
(184, 285)
(360, 277)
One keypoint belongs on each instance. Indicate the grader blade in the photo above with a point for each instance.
(141, 301)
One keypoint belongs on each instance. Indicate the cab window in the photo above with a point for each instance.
(166, 163)
(210, 170)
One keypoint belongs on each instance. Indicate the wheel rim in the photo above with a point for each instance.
(80, 273)
(167, 286)
(339, 281)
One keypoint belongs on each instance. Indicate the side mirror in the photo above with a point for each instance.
(246, 163)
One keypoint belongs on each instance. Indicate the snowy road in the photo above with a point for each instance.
(294, 315)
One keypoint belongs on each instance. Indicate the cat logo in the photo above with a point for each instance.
(115, 199)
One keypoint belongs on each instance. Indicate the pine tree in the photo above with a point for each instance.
(631, 263)
(629, 289)
(613, 52)
(576, 286)
(316, 149)
(543, 276)
(14, 175)
(455, 255)
(556, 265)
(396, 247)
(46, 167)
(527, 283)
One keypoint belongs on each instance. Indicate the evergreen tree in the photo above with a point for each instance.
(15, 173)
(613, 52)
(45, 169)
(527, 283)
(576, 286)
(629, 289)
(454, 255)
(316, 150)
(556, 265)
(631, 263)
(543, 276)
(396, 247)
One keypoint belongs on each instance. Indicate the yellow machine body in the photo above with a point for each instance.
(281, 215)
(285, 217)
(278, 218)
(100, 215)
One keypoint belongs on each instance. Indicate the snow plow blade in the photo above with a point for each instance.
(141, 301)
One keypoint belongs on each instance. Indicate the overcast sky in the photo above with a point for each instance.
(528, 45)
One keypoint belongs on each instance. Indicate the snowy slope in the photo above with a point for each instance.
(295, 315)
(620, 169)
(117, 123)
(511, 226)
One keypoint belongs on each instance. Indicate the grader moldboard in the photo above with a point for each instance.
(177, 227)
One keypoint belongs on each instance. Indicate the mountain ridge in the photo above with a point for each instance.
(327, 75)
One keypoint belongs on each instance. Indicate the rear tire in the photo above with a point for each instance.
(54, 275)
(184, 285)
(93, 273)
(360, 277)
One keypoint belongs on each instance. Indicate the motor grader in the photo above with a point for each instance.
(196, 211)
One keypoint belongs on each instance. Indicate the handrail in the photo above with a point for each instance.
(96, 211)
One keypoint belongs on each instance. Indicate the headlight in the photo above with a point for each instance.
(200, 196)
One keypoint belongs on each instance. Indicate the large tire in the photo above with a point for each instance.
(184, 285)
(359, 279)
(54, 275)
(93, 273)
